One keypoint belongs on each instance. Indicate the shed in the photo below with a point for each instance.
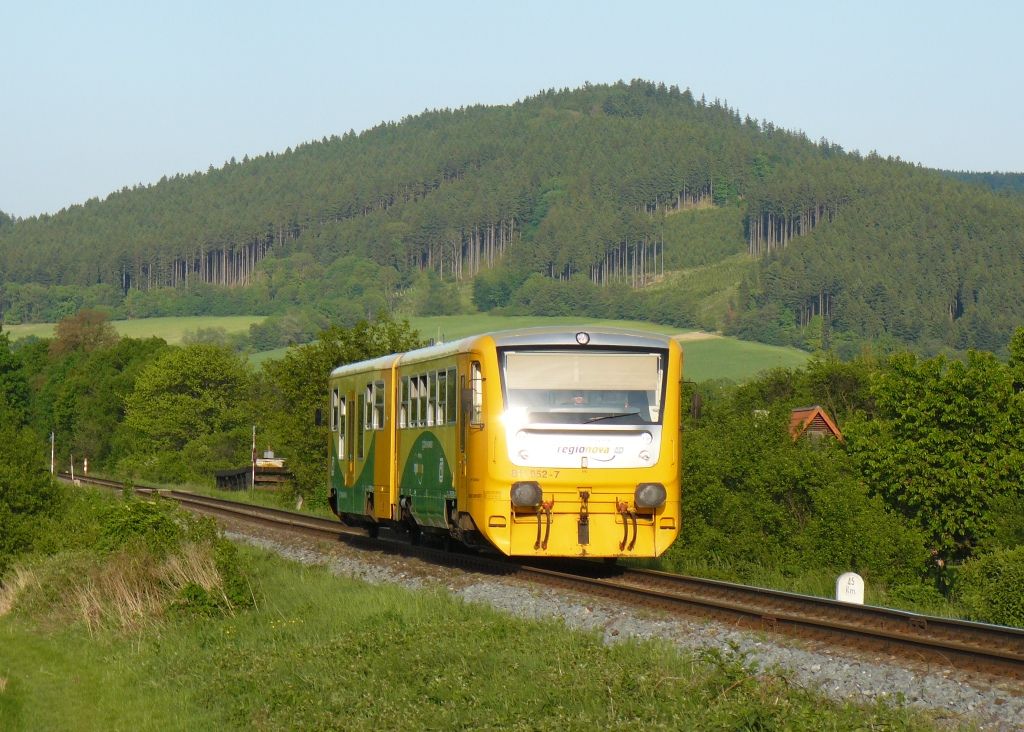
(813, 421)
(269, 472)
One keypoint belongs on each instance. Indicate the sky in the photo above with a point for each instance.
(98, 96)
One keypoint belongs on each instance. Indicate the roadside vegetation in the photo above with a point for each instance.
(142, 617)
(922, 497)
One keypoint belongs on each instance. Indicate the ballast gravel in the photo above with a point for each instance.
(955, 699)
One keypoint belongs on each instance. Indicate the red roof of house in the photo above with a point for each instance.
(813, 420)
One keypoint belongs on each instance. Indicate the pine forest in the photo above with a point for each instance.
(599, 201)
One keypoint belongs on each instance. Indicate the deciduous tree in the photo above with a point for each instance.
(189, 413)
(945, 444)
(87, 330)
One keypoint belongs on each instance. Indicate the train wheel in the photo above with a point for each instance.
(373, 530)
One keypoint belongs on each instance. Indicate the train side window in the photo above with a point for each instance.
(477, 385)
(379, 405)
(341, 425)
(414, 401)
(442, 396)
(362, 425)
(449, 402)
(431, 398)
(403, 410)
(422, 394)
(334, 410)
(368, 408)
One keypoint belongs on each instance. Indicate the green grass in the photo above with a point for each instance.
(731, 358)
(257, 359)
(453, 327)
(172, 330)
(715, 357)
(323, 652)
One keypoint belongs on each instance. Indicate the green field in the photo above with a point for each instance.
(172, 330)
(708, 356)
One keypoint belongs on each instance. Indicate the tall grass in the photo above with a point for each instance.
(128, 590)
(323, 652)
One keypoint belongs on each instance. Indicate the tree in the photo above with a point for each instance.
(87, 330)
(13, 385)
(87, 393)
(755, 499)
(294, 387)
(1016, 362)
(189, 413)
(27, 492)
(946, 443)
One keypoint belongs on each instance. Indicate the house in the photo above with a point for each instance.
(813, 421)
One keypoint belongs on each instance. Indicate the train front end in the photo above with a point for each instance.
(583, 445)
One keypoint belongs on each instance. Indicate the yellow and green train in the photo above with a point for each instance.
(539, 442)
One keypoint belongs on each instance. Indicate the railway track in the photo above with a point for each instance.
(944, 642)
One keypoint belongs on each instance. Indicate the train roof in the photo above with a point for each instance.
(563, 336)
(374, 364)
(518, 337)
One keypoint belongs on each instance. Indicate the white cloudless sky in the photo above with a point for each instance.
(95, 97)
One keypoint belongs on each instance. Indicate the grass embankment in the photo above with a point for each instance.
(319, 652)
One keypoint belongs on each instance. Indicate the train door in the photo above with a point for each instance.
(349, 457)
(472, 445)
(382, 422)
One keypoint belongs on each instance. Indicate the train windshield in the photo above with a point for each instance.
(583, 387)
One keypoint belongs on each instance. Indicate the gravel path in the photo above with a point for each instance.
(957, 699)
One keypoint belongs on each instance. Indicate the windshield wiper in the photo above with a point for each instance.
(609, 416)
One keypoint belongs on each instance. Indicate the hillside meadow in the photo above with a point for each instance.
(708, 355)
(172, 330)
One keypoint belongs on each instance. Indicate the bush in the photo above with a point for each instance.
(920, 597)
(989, 587)
(159, 526)
(28, 495)
(127, 564)
(231, 591)
(851, 531)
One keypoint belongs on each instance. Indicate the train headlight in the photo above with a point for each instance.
(526, 494)
(650, 495)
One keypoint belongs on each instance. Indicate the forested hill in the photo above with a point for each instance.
(1000, 182)
(622, 200)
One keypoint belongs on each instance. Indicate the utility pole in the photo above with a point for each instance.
(52, 464)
